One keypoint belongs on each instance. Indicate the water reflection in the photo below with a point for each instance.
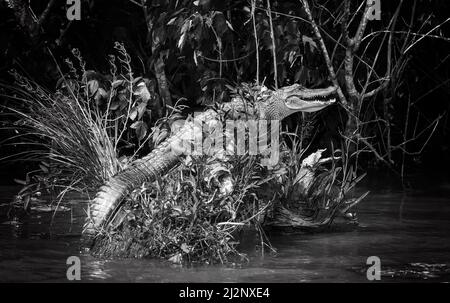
(95, 269)
(408, 230)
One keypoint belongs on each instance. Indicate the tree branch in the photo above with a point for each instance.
(45, 12)
(324, 52)
(256, 41)
(274, 51)
(356, 41)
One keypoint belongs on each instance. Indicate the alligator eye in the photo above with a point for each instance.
(294, 87)
(292, 99)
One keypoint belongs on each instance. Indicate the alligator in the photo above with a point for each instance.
(269, 105)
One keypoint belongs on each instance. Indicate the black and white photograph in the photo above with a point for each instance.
(225, 146)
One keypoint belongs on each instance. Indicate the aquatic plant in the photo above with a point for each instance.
(78, 134)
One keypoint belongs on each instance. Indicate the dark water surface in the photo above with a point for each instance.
(409, 230)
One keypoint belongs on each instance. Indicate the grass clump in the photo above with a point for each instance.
(184, 217)
(82, 134)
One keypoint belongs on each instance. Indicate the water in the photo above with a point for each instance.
(408, 230)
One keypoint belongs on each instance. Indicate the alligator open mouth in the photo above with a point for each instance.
(311, 100)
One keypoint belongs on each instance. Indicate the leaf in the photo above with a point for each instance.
(122, 99)
(43, 168)
(177, 210)
(138, 111)
(133, 114)
(310, 41)
(142, 92)
(114, 105)
(20, 181)
(171, 21)
(186, 248)
(229, 25)
(26, 204)
(93, 86)
(181, 41)
(292, 55)
(141, 110)
(184, 29)
(141, 131)
(102, 92)
(220, 24)
(136, 80)
(136, 124)
(117, 83)
(297, 76)
(197, 53)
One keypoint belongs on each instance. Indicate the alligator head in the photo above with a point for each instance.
(296, 98)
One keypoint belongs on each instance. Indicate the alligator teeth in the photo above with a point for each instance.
(321, 98)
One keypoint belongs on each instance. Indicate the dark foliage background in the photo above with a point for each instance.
(187, 41)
